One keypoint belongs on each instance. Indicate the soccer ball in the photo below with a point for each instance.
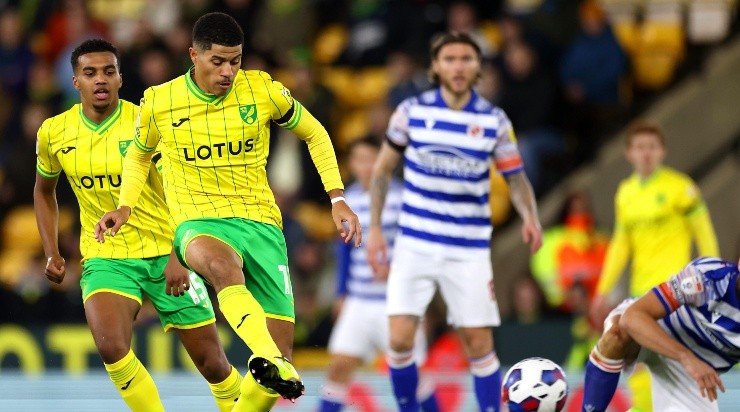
(535, 385)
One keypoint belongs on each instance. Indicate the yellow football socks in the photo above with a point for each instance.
(226, 392)
(255, 397)
(247, 319)
(135, 384)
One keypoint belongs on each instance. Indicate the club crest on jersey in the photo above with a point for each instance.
(248, 113)
(475, 131)
(123, 146)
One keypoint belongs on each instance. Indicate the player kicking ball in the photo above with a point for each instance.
(212, 125)
(88, 143)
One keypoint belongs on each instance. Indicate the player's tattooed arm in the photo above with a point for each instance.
(377, 248)
(525, 203)
(387, 160)
(378, 192)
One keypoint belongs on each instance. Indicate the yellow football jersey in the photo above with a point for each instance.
(214, 149)
(91, 155)
(657, 219)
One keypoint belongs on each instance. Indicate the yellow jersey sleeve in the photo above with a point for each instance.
(290, 114)
(138, 158)
(47, 164)
(697, 214)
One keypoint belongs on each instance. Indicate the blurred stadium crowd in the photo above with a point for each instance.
(568, 73)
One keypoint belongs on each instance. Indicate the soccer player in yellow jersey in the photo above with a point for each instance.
(659, 215)
(88, 143)
(212, 127)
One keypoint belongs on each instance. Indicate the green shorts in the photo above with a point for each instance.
(263, 253)
(134, 278)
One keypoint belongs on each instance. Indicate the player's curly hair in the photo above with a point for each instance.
(217, 28)
(445, 39)
(94, 46)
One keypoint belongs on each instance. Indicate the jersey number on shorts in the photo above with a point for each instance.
(286, 279)
(197, 291)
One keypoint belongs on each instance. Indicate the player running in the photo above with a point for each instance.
(212, 125)
(88, 143)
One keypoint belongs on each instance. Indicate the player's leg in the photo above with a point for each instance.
(352, 340)
(334, 391)
(191, 316)
(402, 365)
(204, 347)
(411, 286)
(606, 362)
(112, 298)
(268, 278)
(467, 289)
(221, 266)
(426, 392)
(215, 249)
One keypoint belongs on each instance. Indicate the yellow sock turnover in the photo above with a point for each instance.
(226, 392)
(135, 384)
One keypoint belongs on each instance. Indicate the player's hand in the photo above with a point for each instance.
(55, 269)
(382, 271)
(705, 376)
(111, 221)
(177, 278)
(532, 234)
(377, 252)
(341, 213)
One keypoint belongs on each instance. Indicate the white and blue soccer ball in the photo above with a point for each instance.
(535, 385)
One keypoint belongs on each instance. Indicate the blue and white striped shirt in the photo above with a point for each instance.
(354, 274)
(704, 310)
(447, 166)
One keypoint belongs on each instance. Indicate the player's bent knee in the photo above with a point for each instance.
(214, 368)
(222, 272)
(615, 342)
(477, 342)
(401, 344)
(111, 350)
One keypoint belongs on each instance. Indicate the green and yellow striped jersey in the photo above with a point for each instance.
(91, 155)
(657, 221)
(214, 148)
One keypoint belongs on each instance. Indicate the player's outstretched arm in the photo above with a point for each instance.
(111, 221)
(522, 196)
(640, 321)
(47, 218)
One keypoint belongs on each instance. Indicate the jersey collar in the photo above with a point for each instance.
(105, 124)
(439, 101)
(653, 176)
(200, 94)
